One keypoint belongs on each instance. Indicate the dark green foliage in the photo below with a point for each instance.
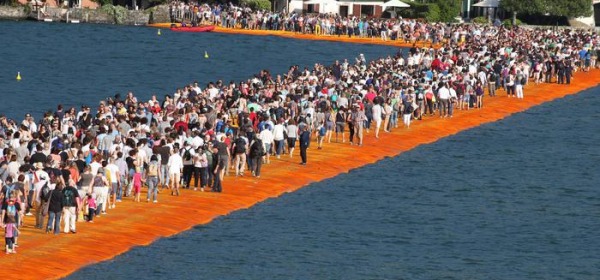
(568, 8)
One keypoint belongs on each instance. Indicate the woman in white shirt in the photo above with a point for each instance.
(175, 166)
(279, 137)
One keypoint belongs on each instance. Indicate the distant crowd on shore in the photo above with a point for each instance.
(75, 164)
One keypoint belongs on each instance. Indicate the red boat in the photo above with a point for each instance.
(204, 28)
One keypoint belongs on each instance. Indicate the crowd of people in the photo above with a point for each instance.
(231, 16)
(74, 165)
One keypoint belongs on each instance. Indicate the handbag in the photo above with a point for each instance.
(47, 205)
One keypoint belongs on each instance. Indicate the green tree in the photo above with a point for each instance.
(258, 4)
(449, 9)
(526, 7)
(569, 8)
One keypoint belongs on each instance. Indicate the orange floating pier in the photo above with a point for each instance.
(43, 256)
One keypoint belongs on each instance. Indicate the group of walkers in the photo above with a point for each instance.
(74, 165)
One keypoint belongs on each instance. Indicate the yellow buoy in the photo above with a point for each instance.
(18, 76)
(158, 32)
(205, 54)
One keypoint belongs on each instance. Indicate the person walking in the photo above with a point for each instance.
(304, 144)
(55, 208)
(152, 179)
(70, 206)
(257, 151)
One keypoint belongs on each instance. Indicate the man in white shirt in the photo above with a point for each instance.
(279, 137)
(40, 178)
(267, 138)
(113, 175)
(443, 96)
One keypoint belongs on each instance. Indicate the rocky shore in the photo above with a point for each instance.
(106, 15)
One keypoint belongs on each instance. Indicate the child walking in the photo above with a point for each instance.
(91, 204)
(137, 184)
(10, 211)
(321, 132)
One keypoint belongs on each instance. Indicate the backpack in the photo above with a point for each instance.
(259, 149)
(153, 169)
(240, 146)
(69, 197)
(9, 190)
(187, 155)
(45, 192)
(322, 131)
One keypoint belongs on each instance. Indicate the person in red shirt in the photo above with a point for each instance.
(181, 125)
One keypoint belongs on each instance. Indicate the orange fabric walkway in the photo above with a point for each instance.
(43, 256)
(332, 38)
(300, 36)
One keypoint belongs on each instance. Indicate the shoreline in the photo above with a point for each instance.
(122, 230)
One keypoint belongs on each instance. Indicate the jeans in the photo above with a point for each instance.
(217, 187)
(443, 107)
(69, 218)
(91, 213)
(187, 175)
(303, 153)
(368, 121)
(279, 146)
(211, 176)
(152, 182)
(164, 172)
(119, 191)
(394, 119)
(53, 222)
(256, 164)
(201, 172)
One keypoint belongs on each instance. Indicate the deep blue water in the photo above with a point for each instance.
(76, 64)
(515, 199)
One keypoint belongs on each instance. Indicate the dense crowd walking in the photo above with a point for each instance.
(76, 164)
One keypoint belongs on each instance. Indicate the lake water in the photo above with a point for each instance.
(82, 64)
(515, 199)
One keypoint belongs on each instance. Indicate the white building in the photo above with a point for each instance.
(359, 8)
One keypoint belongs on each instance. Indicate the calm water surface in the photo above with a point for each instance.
(516, 199)
(75, 64)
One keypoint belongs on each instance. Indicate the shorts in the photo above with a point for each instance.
(175, 176)
(329, 126)
(113, 188)
(339, 126)
(291, 142)
(223, 161)
(378, 122)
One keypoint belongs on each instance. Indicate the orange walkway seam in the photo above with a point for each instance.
(43, 256)
(331, 38)
(312, 37)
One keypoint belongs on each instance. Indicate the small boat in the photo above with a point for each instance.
(164, 25)
(204, 28)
